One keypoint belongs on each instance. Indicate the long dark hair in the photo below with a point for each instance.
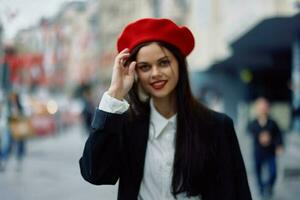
(193, 148)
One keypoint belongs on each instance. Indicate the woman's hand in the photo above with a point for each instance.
(122, 76)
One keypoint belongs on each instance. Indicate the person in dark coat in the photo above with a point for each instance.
(88, 108)
(161, 143)
(267, 142)
(15, 110)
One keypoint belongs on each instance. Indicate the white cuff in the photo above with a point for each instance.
(113, 105)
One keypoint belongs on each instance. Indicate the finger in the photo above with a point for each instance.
(131, 68)
(122, 53)
(124, 50)
(121, 58)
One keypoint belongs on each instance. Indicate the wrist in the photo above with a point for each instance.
(115, 94)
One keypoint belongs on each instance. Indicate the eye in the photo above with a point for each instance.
(165, 62)
(144, 68)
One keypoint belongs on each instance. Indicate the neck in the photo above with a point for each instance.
(165, 106)
(262, 119)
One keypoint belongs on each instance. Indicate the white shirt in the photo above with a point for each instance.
(157, 178)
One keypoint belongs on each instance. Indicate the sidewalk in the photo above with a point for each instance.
(51, 171)
(288, 181)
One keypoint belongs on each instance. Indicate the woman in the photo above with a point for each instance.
(165, 145)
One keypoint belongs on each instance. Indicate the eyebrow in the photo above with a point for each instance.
(160, 59)
(141, 63)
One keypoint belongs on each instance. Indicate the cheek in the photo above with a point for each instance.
(175, 82)
(175, 74)
(143, 78)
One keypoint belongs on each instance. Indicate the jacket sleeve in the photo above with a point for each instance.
(233, 173)
(100, 162)
(278, 135)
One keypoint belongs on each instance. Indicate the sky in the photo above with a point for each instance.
(20, 14)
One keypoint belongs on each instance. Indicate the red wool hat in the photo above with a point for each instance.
(153, 29)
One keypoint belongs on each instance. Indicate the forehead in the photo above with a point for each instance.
(152, 52)
(262, 102)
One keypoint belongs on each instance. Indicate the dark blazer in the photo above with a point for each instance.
(115, 150)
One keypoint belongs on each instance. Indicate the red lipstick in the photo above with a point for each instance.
(157, 85)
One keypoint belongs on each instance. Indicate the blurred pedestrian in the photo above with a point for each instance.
(267, 139)
(88, 107)
(5, 86)
(9, 143)
(165, 145)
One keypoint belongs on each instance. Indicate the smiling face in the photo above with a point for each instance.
(157, 70)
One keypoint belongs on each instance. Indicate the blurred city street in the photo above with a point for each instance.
(51, 171)
(287, 185)
(56, 61)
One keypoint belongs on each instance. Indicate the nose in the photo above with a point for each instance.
(155, 72)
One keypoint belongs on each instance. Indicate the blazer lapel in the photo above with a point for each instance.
(140, 139)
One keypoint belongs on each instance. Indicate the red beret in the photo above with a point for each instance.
(153, 29)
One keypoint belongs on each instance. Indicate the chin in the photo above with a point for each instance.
(160, 94)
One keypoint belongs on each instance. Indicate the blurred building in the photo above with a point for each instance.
(63, 51)
(74, 40)
(110, 18)
(78, 44)
(254, 70)
(1, 69)
(176, 10)
(1, 42)
(216, 23)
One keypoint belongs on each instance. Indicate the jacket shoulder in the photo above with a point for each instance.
(221, 119)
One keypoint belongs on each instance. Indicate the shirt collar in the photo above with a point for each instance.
(158, 121)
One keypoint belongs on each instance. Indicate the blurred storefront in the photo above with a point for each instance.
(220, 69)
(217, 23)
(265, 62)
